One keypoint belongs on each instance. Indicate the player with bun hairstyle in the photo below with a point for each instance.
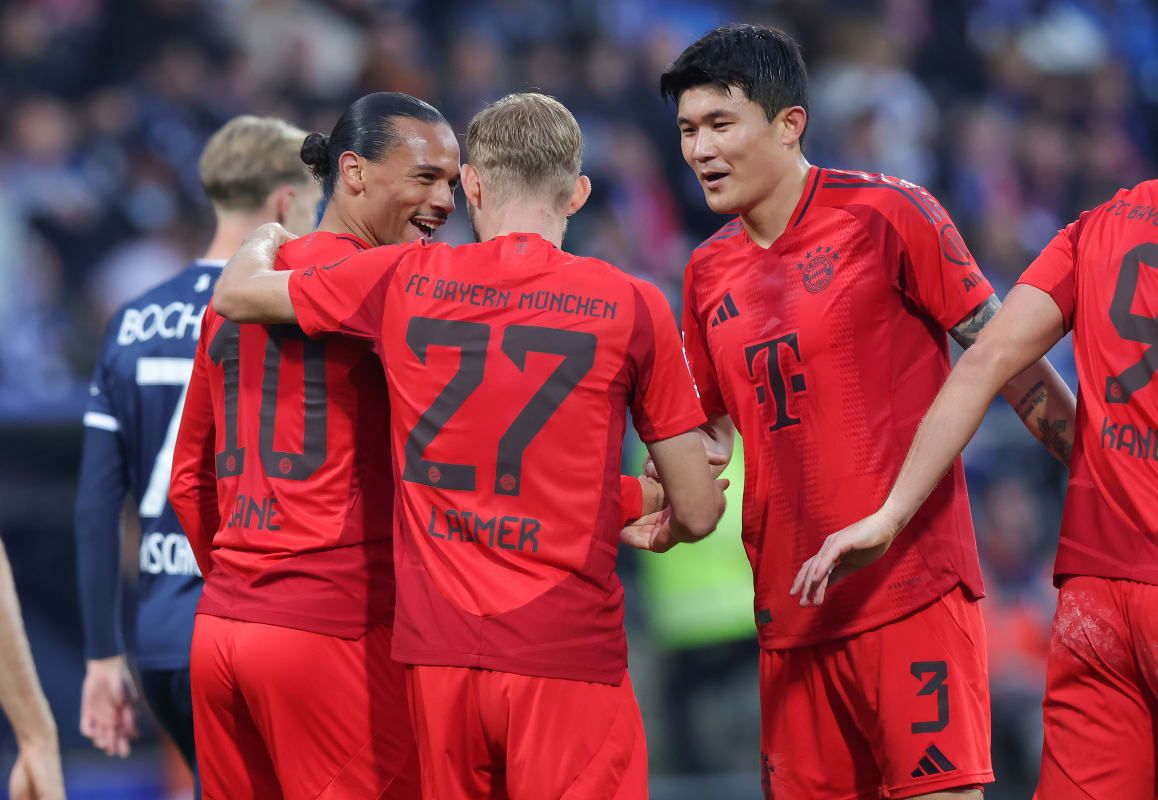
(282, 479)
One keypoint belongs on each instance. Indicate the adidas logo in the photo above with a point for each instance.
(932, 763)
(726, 311)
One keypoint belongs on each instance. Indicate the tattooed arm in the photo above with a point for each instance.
(1039, 396)
(1006, 352)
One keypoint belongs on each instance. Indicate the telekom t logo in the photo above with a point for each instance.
(779, 382)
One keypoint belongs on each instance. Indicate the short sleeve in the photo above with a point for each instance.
(1054, 271)
(695, 344)
(664, 402)
(348, 296)
(937, 271)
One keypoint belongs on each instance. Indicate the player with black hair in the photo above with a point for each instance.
(282, 480)
(815, 321)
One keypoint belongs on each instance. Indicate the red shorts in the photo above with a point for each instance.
(497, 735)
(1101, 693)
(283, 713)
(898, 711)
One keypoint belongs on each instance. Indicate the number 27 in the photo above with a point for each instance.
(471, 339)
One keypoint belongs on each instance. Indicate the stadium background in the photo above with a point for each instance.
(1017, 114)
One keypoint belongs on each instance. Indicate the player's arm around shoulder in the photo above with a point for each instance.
(250, 289)
(1009, 344)
(1042, 400)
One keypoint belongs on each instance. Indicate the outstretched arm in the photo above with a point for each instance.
(1039, 396)
(1025, 329)
(250, 290)
(37, 773)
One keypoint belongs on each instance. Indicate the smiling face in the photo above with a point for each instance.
(736, 153)
(409, 192)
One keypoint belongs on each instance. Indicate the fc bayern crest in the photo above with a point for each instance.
(817, 268)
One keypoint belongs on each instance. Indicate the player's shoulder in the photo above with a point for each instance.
(174, 287)
(718, 250)
(605, 274)
(317, 247)
(1143, 195)
(176, 301)
(719, 242)
(900, 201)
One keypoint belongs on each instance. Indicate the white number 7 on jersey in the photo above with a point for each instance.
(163, 372)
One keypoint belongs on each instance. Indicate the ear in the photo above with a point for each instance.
(472, 187)
(795, 121)
(283, 202)
(350, 172)
(579, 195)
(279, 202)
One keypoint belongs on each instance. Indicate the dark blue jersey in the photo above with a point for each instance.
(137, 395)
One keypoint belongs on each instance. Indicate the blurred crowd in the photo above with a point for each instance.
(1017, 114)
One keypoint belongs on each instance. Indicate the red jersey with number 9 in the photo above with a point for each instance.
(826, 349)
(511, 366)
(283, 452)
(1102, 271)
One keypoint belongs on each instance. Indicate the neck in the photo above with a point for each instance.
(232, 228)
(338, 220)
(770, 217)
(523, 217)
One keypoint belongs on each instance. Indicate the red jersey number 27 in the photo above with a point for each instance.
(471, 339)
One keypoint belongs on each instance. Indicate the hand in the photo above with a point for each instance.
(108, 713)
(845, 551)
(653, 497)
(650, 532)
(271, 233)
(37, 774)
(653, 531)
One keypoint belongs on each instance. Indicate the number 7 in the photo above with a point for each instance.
(163, 372)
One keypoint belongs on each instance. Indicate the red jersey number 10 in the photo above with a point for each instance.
(225, 351)
(471, 339)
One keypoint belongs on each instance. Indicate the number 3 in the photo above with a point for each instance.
(936, 684)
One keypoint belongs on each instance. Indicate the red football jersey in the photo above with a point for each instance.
(294, 432)
(826, 350)
(1102, 271)
(511, 365)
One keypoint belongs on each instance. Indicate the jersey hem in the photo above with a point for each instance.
(688, 423)
(1060, 576)
(769, 642)
(295, 622)
(533, 669)
(162, 665)
(952, 781)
